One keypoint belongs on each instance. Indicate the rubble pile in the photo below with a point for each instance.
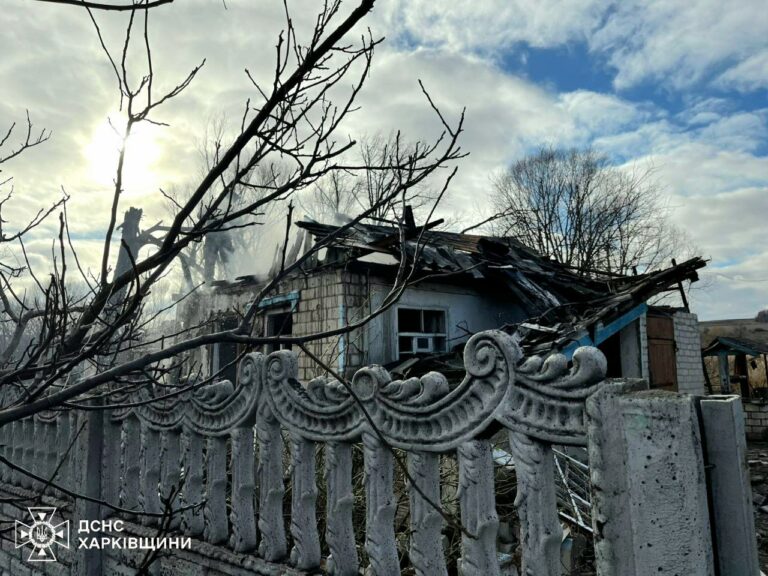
(758, 471)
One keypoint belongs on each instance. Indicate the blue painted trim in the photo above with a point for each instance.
(584, 340)
(603, 333)
(288, 298)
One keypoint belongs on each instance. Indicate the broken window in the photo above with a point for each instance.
(278, 324)
(420, 331)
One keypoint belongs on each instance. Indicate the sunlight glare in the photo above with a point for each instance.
(142, 151)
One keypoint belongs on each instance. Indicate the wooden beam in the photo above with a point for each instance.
(765, 365)
(725, 382)
(742, 372)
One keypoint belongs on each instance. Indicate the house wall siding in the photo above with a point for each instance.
(333, 298)
(336, 298)
(633, 346)
(468, 311)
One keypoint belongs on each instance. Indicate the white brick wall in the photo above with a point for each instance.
(690, 376)
(644, 347)
(755, 420)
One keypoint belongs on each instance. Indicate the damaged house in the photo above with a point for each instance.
(735, 352)
(460, 284)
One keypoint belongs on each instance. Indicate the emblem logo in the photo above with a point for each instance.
(42, 534)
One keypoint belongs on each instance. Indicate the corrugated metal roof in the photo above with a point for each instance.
(553, 294)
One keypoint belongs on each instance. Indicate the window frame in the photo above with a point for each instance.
(223, 322)
(414, 335)
(277, 311)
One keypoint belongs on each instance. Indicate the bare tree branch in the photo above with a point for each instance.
(131, 5)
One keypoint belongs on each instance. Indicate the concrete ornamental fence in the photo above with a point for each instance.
(668, 472)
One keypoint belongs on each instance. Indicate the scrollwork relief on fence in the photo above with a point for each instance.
(539, 401)
(223, 444)
(543, 399)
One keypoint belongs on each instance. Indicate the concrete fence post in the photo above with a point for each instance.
(650, 511)
(725, 446)
(87, 481)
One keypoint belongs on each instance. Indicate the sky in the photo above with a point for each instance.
(676, 85)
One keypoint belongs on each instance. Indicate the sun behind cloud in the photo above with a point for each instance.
(102, 151)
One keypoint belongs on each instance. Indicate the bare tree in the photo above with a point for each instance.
(125, 6)
(345, 192)
(209, 259)
(77, 353)
(82, 339)
(580, 210)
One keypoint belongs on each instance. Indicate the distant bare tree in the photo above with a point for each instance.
(208, 260)
(346, 192)
(577, 208)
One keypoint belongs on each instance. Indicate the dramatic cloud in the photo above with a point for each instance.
(677, 42)
(491, 26)
(670, 84)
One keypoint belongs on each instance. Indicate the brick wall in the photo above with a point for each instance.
(331, 300)
(690, 375)
(643, 327)
(328, 299)
(755, 420)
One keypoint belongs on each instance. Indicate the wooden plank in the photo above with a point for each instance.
(660, 328)
(662, 361)
(661, 364)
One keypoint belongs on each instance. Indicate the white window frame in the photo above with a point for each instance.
(415, 335)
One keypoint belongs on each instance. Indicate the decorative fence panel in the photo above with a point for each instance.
(213, 464)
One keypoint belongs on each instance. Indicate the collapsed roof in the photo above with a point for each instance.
(563, 303)
(731, 345)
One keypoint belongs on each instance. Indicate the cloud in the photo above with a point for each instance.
(504, 114)
(595, 113)
(748, 75)
(741, 131)
(705, 159)
(719, 197)
(507, 116)
(490, 26)
(739, 290)
(734, 218)
(674, 43)
(678, 42)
